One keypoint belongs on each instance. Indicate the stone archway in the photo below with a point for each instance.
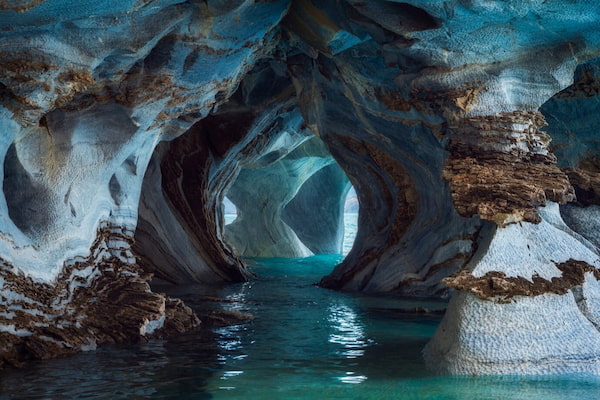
(291, 206)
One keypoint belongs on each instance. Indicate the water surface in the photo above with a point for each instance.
(305, 342)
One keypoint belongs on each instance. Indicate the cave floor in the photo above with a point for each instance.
(304, 342)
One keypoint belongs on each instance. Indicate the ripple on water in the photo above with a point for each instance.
(304, 343)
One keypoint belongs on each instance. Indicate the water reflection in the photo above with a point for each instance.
(304, 343)
(348, 331)
(157, 370)
(351, 377)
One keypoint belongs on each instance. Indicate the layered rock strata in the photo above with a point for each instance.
(444, 141)
(88, 89)
(410, 237)
(104, 298)
(180, 235)
(479, 114)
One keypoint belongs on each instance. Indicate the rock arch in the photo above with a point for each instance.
(442, 138)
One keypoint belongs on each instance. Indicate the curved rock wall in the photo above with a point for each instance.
(316, 213)
(260, 193)
(410, 236)
(180, 235)
(88, 89)
(447, 143)
(457, 128)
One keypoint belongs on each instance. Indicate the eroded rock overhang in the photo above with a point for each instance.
(436, 112)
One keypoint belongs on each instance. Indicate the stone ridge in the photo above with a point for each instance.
(500, 168)
(497, 287)
(111, 304)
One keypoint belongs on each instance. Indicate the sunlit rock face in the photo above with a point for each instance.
(463, 126)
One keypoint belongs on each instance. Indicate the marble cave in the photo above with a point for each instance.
(467, 129)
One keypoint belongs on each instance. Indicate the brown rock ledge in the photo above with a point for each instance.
(491, 175)
(99, 299)
(496, 286)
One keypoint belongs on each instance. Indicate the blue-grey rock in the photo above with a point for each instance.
(88, 90)
(316, 213)
(461, 125)
(261, 192)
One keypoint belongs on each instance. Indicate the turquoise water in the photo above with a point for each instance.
(304, 342)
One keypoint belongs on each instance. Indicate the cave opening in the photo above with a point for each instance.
(293, 204)
(351, 209)
(229, 211)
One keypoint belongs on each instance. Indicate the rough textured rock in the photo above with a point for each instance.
(104, 298)
(87, 91)
(496, 285)
(507, 315)
(499, 185)
(527, 337)
(181, 228)
(411, 235)
(459, 156)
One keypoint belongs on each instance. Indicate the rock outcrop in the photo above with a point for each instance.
(508, 314)
(88, 90)
(466, 128)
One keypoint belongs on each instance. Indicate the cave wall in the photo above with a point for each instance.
(448, 132)
(466, 129)
(316, 213)
(88, 90)
(263, 189)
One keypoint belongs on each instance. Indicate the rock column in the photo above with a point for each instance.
(511, 301)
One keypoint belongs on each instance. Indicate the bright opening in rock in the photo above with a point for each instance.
(351, 208)
(229, 211)
(291, 204)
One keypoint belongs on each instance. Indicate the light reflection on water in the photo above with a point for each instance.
(348, 330)
(351, 378)
(304, 343)
(309, 342)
